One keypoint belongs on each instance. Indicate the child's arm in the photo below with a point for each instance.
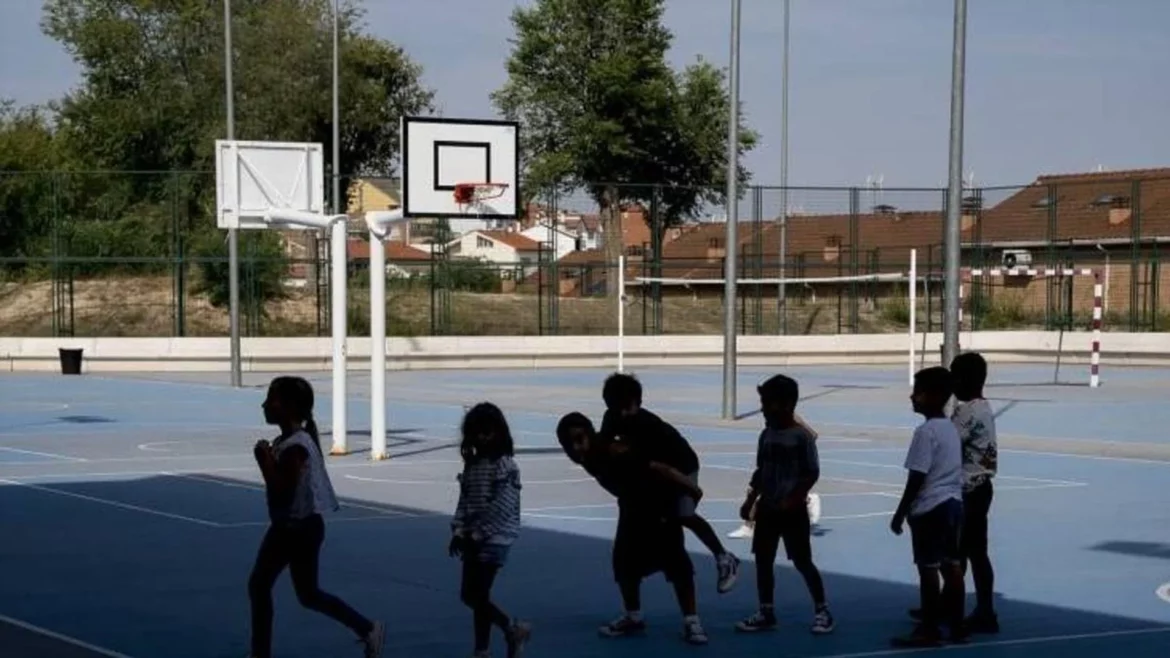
(503, 505)
(811, 473)
(672, 475)
(282, 475)
(460, 518)
(914, 483)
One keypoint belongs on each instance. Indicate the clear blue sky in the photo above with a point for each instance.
(1053, 85)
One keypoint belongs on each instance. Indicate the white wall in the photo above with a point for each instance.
(566, 243)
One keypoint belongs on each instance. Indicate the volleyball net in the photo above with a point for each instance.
(914, 301)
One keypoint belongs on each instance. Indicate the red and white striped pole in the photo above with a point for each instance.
(1095, 357)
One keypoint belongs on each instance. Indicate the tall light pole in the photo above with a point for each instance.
(951, 236)
(730, 269)
(233, 234)
(337, 205)
(782, 300)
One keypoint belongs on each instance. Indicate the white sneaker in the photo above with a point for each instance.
(814, 508)
(744, 531)
(693, 632)
(373, 641)
(728, 566)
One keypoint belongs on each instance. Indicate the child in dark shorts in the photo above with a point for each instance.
(787, 467)
(657, 440)
(649, 538)
(933, 501)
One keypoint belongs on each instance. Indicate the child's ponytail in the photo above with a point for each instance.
(311, 429)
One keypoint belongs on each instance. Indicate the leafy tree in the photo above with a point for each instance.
(28, 151)
(151, 99)
(599, 105)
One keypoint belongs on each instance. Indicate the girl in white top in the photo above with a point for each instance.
(299, 492)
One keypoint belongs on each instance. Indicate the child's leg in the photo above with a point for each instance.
(684, 589)
(930, 596)
(304, 567)
(797, 531)
(953, 599)
(475, 593)
(976, 507)
(765, 543)
(273, 557)
(704, 532)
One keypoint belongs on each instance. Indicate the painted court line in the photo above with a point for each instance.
(112, 503)
(80, 644)
(1163, 592)
(1046, 639)
(50, 455)
(450, 481)
(255, 487)
(611, 519)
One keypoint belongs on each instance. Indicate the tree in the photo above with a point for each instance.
(28, 151)
(152, 100)
(601, 109)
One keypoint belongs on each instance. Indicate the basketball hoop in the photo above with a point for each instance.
(472, 194)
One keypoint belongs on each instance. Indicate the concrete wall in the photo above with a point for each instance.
(285, 354)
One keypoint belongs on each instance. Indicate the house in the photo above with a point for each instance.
(515, 255)
(375, 194)
(402, 259)
(556, 239)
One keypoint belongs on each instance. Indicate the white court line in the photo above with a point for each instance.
(1163, 592)
(50, 455)
(847, 462)
(557, 508)
(1045, 639)
(392, 516)
(611, 519)
(112, 503)
(153, 446)
(109, 653)
(450, 481)
(255, 487)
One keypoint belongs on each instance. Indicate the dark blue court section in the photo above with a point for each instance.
(131, 513)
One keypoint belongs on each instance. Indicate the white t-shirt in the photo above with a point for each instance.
(975, 421)
(314, 491)
(936, 452)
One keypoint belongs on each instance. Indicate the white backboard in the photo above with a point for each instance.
(252, 177)
(437, 153)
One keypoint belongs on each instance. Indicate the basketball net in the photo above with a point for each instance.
(472, 195)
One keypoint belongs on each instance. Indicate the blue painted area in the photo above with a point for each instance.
(1080, 543)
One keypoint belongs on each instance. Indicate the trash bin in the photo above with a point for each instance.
(70, 361)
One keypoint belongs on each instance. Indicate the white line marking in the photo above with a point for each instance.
(1163, 592)
(452, 481)
(195, 477)
(112, 503)
(570, 517)
(1048, 639)
(109, 653)
(50, 455)
(153, 446)
(392, 516)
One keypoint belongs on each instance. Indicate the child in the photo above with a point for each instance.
(487, 521)
(649, 538)
(975, 421)
(787, 467)
(746, 530)
(299, 491)
(933, 501)
(659, 441)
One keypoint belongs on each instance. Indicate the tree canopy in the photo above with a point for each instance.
(590, 82)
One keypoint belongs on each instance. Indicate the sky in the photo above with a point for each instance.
(1053, 86)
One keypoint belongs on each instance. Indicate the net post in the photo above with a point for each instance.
(338, 291)
(377, 347)
(621, 318)
(913, 308)
(1098, 312)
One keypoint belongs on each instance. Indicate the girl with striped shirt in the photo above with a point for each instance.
(487, 522)
(299, 492)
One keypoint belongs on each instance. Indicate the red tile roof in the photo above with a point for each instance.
(395, 251)
(517, 241)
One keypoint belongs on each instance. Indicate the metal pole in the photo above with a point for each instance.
(337, 209)
(954, 190)
(782, 305)
(233, 234)
(730, 274)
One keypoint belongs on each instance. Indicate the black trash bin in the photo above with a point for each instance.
(70, 361)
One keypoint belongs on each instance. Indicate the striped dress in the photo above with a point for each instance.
(489, 501)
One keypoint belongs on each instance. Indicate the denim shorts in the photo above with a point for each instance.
(936, 535)
(491, 554)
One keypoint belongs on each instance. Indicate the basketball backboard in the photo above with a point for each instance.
(254, 177)
(439, 153)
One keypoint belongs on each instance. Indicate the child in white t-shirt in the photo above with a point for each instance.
(933, 504)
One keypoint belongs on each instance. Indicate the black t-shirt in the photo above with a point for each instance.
(656, 439)
(627, 476)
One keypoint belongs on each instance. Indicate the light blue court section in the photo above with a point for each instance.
(18, 456)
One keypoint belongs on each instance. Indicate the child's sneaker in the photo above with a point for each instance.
(761, 620)
(728, 566)
(622, 627)
(373, 641)
(823, 621)
(983, 623)
(693, 632)
(517, 638)
(922, 637)
(744, 531)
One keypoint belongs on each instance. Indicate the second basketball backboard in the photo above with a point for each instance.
(255, 177)
(438, 154)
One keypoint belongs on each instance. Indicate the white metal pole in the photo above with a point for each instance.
(782, 305)
(621, 314)
(913, 308)
(237, 377)
(337, 291)
(952, 234)
(377, 347)
(732, 241)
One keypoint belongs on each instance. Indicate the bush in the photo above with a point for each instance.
(263, 267)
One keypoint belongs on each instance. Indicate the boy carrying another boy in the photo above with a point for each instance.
(933, 501)
(649, 538)
(657, 440)
(787, 467)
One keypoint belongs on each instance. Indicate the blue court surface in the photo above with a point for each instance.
(131, 512)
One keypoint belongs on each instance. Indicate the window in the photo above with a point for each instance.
(1111, 201)
(1044, 203)
(483, 243)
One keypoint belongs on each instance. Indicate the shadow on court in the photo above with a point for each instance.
(156, 567)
